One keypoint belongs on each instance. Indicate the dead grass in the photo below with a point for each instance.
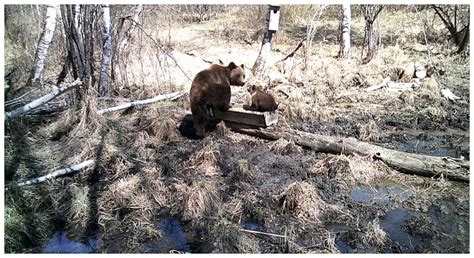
(303, 201)
(200, 200)
(344, 172)
(369, 132)
(284, 147)
(374, 235)
(205, 160)
(78, 210)
(227, 238)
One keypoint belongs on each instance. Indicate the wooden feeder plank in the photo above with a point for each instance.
(239, 115)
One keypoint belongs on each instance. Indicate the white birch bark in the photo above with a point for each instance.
(135, 20)
(265, 52)
(346, 31)
(61, 172)
(43, 45)
(42, 100)
(106, 52)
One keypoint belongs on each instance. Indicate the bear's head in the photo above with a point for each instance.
(237, 74)
(253, 88)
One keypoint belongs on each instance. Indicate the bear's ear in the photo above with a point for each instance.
(232, 66)
(242, 65)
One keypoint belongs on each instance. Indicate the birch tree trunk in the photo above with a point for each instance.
(135, 20)
(258, 68)
(345, 43)
(123, 41)
(43, 46)
(106, 52)
(370, 14)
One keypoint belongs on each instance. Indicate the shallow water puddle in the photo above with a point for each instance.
(173, 239)
(394, 224)
(60, 243)
(429, 147)
(380, 194)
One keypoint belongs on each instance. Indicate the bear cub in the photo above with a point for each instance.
(260, 101)
(211, 89)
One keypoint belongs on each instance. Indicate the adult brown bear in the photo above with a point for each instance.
(211, 89)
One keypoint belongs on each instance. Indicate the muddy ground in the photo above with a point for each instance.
(153, 190)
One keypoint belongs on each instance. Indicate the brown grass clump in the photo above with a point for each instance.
(284, 147)
(234, 209)
(78, 210)
(374, 235)
(347, 171)
(243, 172)
(429, 90)
(228, 238)
(206, 159)
(303, 201)
(407, 97)
(128, 209)
(370, 131)
(200, 200)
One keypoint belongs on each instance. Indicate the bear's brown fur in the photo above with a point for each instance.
(260, 101)
(211, 89)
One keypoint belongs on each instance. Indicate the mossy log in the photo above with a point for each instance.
(410, 163)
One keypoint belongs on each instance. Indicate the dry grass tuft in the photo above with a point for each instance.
(234, 208)
(370, 131)
(284, 147)
(78, 210)
(243, 172)
(200, 200)
(374, 235)
(303, 201)
(128, 208)
(228, 238)
(345, 172)
(407, 97)
(206, 159)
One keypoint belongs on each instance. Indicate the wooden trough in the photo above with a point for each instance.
(238, 115)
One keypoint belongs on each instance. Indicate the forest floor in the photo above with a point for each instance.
(153, 190)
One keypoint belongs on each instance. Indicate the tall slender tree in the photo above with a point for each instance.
(265, 51)
(371, 13)
(106, 52)
(43, 46)
(345, 40)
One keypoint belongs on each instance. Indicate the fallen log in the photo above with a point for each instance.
(171, 96)
(61, 172)
(42, 100)
(409, 163)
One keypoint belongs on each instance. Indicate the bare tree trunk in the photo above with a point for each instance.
(370, 15)
(345, 41)
(258, 68)
(106, 52)
(123, 41)
(135, 20)
(43, 46)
